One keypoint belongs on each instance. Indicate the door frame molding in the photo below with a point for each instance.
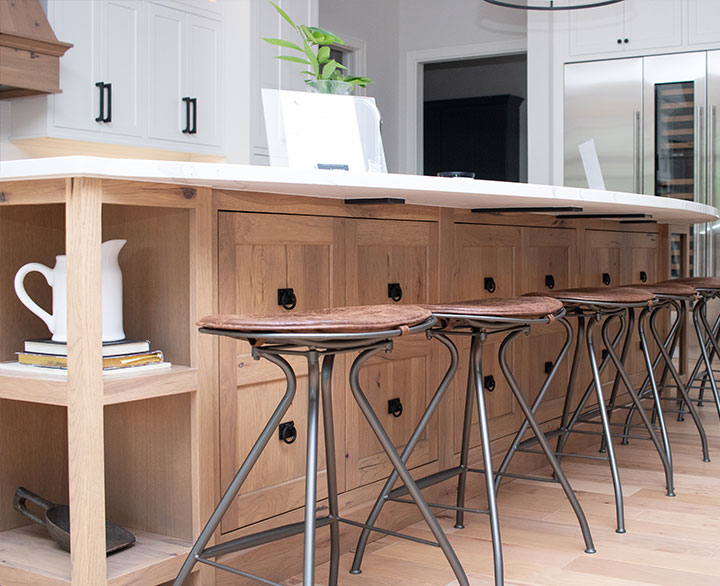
(413, 94)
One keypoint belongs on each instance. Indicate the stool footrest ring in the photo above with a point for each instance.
(430, 480)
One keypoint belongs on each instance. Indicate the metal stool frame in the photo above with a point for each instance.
(594, 313)
(313, 346)
(709, 341)
(666, 349)
(478, 328)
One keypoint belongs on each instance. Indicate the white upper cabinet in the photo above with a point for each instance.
(124, 81)
(630, 26)
(703, 22)
(184, 81)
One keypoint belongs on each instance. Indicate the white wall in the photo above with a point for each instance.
(376, 23)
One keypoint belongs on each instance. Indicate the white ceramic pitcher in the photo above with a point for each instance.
(112, 308)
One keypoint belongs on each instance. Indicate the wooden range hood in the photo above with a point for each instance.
(29, 51)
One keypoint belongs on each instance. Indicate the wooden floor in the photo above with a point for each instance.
(669, 541)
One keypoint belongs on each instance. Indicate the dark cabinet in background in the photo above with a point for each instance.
(481, 135)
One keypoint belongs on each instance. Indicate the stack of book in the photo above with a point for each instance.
(123, 354)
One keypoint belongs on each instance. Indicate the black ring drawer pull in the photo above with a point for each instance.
(490, 285)
(395, 291)
(606, 279)
(548, 367)
(395, 407)
(287, 432)
(643, 277)
(549, 281)
(489, 383)
(287, 299)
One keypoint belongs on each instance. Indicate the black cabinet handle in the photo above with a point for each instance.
(190, 115)
(105, 107)
(287, 299)
(287, 432)
(490, 285)
(548, 367)
(626, 41)
(395, 407)
(395, 291)
(619, 41)
(489, 383)
(643, 277)
(606, 279)
(549, 281)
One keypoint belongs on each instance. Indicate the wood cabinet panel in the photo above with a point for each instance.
(260, 254)
(482, 252)
(379, 253)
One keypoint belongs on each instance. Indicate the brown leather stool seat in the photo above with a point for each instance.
(599, 295)
(362, 318)
(699, 282)
(666, 289)
(514, 308)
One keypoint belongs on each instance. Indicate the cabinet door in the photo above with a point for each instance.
(485, 252)
(259, 254)
(703, 24)
(77, 106)
(652, 24)
(549, 263)
(379, 253)
(121, 40)
(203, 77)
(596, 30)
(166, 54)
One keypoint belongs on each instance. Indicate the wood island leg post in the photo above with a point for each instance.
(86, 459)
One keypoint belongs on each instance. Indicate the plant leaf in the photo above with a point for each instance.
(323, 54)
(329, 69)
(292, 59)
(282, 13)
(283, 43)
(328, 37)
(313, 60)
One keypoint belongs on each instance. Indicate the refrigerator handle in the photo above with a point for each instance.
(698, 143)
(711, 154)
(637, 153)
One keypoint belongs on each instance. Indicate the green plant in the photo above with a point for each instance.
(315, 48)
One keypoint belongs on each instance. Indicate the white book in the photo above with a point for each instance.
(47, 346)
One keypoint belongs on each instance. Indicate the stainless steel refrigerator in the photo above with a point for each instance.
(654, 124)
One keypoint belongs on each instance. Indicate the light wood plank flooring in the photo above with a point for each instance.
(670, 541)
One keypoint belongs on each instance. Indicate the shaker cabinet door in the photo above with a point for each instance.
(384, 258)
(259, 254)
(203, 63)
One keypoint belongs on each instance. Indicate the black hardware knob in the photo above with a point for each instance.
(395, 291)
(603, 355)
(549, 281)
(490, 285)
(548, 367)
(287, 432)
(606, 279)
(619, 41)
(643, 277)
(287, 299)
(489, 383)
(395, 407)
(626, 40)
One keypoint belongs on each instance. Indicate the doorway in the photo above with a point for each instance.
(475, 117)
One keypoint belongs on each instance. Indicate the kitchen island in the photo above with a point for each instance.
(154, 450)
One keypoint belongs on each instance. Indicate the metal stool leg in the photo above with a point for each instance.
(641, 411)
(619, 507)
(708, 358)
(311, 470)
(407, 451)
(465, 443)
(667, 356)
(268, 431)
(402, 471)
(530, 420)
(331, 468)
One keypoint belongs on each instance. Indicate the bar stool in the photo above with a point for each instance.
(320, 334)
(708, 338)
(669, 295)
(596, 305)
(480, 319)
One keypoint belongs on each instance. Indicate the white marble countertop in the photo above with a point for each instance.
(414, 189)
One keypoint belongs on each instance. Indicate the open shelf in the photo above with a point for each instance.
(30, 557)
(52, 388)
